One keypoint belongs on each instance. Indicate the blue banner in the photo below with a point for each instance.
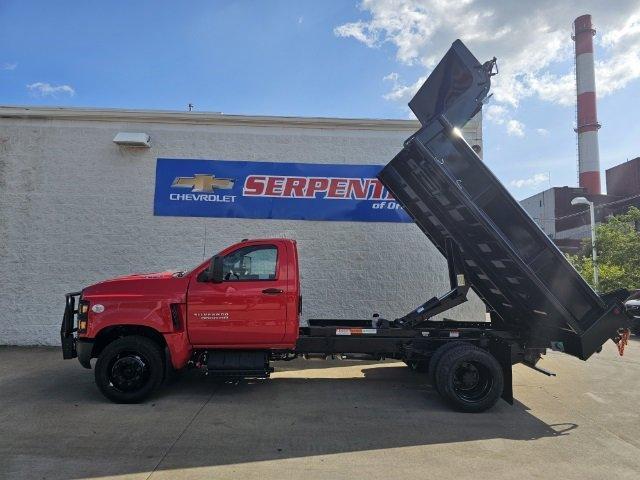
(291, 191)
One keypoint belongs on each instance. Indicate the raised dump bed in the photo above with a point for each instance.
(508, 260)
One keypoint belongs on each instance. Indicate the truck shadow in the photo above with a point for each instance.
(306, 409)
(337, 409)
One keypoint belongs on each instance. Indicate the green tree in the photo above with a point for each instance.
(618, 247)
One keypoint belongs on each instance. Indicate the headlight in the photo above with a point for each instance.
(83, 315)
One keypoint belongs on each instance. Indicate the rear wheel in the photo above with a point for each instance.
(129, 369)
(469, 378)
(437, 355)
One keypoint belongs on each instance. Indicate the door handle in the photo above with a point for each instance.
(271, 291)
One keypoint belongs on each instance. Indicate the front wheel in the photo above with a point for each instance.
(129, 369)
(469, 379)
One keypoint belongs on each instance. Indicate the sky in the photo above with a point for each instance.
(335, 58)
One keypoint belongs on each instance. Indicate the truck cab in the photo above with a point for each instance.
(246, 298)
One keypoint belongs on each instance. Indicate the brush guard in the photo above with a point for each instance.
(68, 327)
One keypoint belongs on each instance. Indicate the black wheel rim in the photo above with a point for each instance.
(129, 372)
(472, 381)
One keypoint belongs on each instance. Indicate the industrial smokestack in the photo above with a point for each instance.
(587, 118)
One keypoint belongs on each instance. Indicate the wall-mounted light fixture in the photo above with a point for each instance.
(128, 139)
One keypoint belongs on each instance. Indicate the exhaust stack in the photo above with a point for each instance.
(587, 118)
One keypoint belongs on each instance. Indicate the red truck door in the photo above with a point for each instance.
(249, 308)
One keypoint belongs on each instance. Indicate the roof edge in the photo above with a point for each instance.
(200, 118)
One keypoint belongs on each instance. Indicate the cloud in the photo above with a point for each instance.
(43, 89)
(501, 115)
(532, 181)
(543, 132)
(495, 113)
(515, 128)
(392, 77)
(400, 92)
(558, 89)
(532, 41)
(357, 30)
(8, 66)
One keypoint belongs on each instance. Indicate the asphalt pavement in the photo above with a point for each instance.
(320, 420)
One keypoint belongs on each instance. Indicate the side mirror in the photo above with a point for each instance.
(214, 272)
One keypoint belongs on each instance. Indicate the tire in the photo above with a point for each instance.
(129, 369)
(421, 366)
(171, 375)
(469, 379)
(437, 355)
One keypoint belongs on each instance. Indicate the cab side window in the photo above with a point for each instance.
(255, 262)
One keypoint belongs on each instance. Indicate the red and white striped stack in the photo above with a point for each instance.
(587, 121)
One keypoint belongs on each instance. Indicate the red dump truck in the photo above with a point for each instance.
(236, 314)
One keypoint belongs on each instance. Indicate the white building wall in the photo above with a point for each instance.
(578, 233)
(541, 207)
(75, 209)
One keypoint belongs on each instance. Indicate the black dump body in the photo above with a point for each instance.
(524, 279)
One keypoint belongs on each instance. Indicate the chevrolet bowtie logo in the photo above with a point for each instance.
(201, 182)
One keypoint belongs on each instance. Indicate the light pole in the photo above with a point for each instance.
(594, 254)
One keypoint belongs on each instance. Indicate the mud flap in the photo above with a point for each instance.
(501, 350)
